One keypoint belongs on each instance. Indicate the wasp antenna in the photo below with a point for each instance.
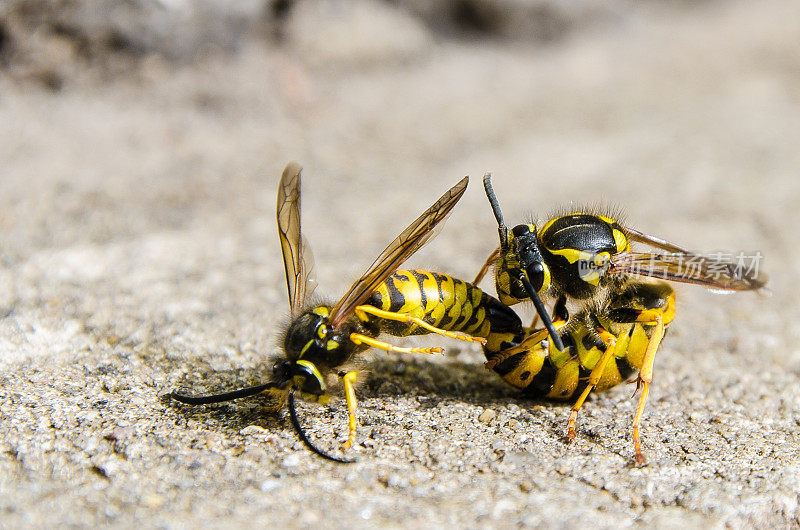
(219, 398)
(542, 311)
(498, 214)
(302, 434)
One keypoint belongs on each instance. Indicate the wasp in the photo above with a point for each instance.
(323, 338)
(623, 305)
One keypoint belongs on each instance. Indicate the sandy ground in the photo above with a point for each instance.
(138, 254)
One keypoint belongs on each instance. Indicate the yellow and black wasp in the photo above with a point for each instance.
(322, 338)
(622, 305)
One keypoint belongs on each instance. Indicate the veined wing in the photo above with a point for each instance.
(407, 243)
(297, 260)
(714, 271)
(653, 241)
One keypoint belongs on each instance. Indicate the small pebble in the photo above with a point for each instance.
(253, 430)
(487, 415)
(291, 461)
(271, 484)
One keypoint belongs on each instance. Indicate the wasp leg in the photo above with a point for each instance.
(349, 380)
(643, 382)
(529, 343)
(358, 338)
(486, 266)
(281, 399)
(408, 319)
(594, 378)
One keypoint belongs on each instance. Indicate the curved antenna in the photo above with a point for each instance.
(542, 311)
(219, 398)
(302, 434)
(503, 231)
(498, 214)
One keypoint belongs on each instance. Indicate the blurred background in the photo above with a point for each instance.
(140, 149)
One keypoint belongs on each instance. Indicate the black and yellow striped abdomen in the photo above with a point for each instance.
(629, 318)
(446, 303)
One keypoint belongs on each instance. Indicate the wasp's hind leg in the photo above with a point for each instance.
(359, 339)
(650, 307)
(613, 346)
(363, 310)
(643, 382)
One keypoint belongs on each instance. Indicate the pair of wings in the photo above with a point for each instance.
(297, 258)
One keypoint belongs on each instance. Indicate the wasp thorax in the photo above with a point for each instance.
(578, 248)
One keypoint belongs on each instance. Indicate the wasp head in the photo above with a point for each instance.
(312, 338)
(523, 243)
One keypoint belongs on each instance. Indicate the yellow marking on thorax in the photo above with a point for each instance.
(572, 255)
(621, 241)
(548, 224)
(606, 219)
(305, 348)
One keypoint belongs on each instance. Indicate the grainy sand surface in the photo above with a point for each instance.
(138, 254)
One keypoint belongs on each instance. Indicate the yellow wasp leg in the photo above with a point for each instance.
(281, 399)
(349, 380)
(594, 378)
(643, 382)
(358, 338)
(529, 343)
(408, 319)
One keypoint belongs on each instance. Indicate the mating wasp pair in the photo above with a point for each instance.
(580, 257)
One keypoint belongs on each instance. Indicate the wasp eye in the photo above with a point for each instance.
(521, 230)
(539, 276)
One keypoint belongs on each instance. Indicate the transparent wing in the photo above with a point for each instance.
(412, 239)
(714, 271)
(653, 241)
(297, 259)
